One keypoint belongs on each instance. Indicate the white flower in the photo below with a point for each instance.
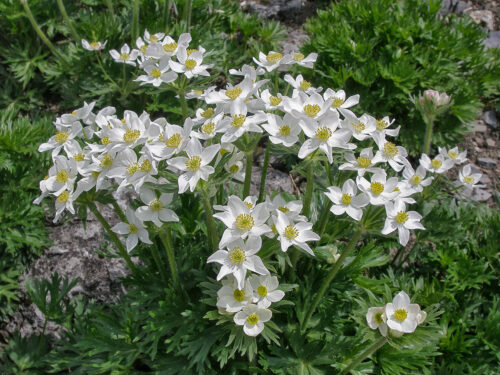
(190, 63)
(242, 91)
(195, 165)
(375, 317)
(324, 135)
(401, 315)
(93, 46)
(134, 229)
(362, 127)
(241, 220)
(388, 152)
(199, 94)
(308, 107)
(272, 102)
(252, 318)
(291, 233)
(62, 175)
(380, 189)
(170, 47)
(102, 166)
(346, 200)
(301, 85)
(171, 141)
(156, 73)
(248, 71)
(233, 299)
(155, 210)
(363, 163)
(436, 165)
(282, 130)
(125, 56)
(133, 171)
(468, 179)
(64, 138)
(265, 290)
(339, 100)
(239, 123)
(398, 218)
(240, 257)
(454, 154)
(210, 128)
(291, 209)
(152, 38)
(416, 179)
(234, 166)
(64, 201)
(382, 128)
(83, 114)
(272, 60)
(305, 61)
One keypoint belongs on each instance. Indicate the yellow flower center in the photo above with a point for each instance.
(285, 130)
(273, 58)
(63, 197)
(79, 157)
(238, 121)
(453, 155)
(323, 134)
(359, 127)
(298, 57)
(273, 229)
(132, 168)
(144, 48)
(131, 136)
(237, 255)
(132, 229)
(156, 73)
(436, 163)
(390, 149)
(189, 51)
(337, 102)
(106, 161)
(233, 93)
(94, 45)
(208, 128)
(95, 174)
(346, 199)
(209, 112)
(193, 163)
(284, 209)
(416, 179)
(378, 318)
(153, 38)
(124, 56)
(400, 315)
(291, 232)
(253, 319)
(234, 168)
(105, 141)
(244, 222)
(401, 217)
(61, 137)
(262, 290)
(248, 204)
(469, 180)
(311, 109)
(190, 64)
(146, 166)
(239, 295)
(377, 188)
(173, 141)
(155, 205)
(62, 176)
(381, 124)
(74, 113)
(170, 47)
(198, 92)
(223, 151)
(304, 85)
(275, 100)
(363, 162)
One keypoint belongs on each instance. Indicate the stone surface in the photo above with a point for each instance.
(275, 181)
(480, 195)
(493, 40)
(490, 118)
(483, 18)
(479, 127)
(490, 142)
(486, 162)
(454, 6)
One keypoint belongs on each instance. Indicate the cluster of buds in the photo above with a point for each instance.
(433, 103)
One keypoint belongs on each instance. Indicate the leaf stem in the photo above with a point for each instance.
(309, 189)
(364, 354)
(159, 264)
(109, 4)
(248, 174)
(62, 9)
(429, 124)
(323, 219)
(331, 275)
(166, 239)
(264, 171)
(211, 226)
(135, 22)
(119, 211)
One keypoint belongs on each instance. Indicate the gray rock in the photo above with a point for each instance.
(475, 168)
(485, 179)
(486, 162)
(493, 40)
(484, 17)
(480, 195)
(490, 118)
(454, 6)
(479, 127)
(490, 142)
(275, 181)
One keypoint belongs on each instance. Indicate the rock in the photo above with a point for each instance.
(475, 168)
(478, 142)
(479, 127)
(490, 118)
(485, 179)
(454, 6)
(275, 180)
(490, 142)
(493, 40)
(480, 195)
(484, 17)
(486, 162)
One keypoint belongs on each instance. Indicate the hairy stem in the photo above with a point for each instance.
(166, 239)
(366, 353)
(182, 99)
(109, 4)
(213, 237)
(429, 124)
(187, 14)
(309, 189)
(264, 171)
(119, 211)
(248, 174)
(159, 264)
(62, 9)
(107, 75)
(323, 219)
(135, 22)
(331, 275)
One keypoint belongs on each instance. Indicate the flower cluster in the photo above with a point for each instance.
(396, 318)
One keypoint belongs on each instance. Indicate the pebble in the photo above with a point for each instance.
(479, 128)
(485, 179)
(490, 118)
(486, 162)
(493, 40)
(490, 142)
(483, 17)
(480, 195)
(454, 6)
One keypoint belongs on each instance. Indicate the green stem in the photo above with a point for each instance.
(323, 219)
(309, 189)
(166, 239)
(109, 4)
(428, 135)
(119, 211)
(276, 82)
(40, 33)
(211, 226)
(42, 336)
(187, 14)
(62, 9)
(135, 22)
(106, 74)
(248, 174)
(293, 75)
(123, 252)
(264, 171)
(220, 194)
(331, 275)
(159, 264)
(366, 353)
(182, 98)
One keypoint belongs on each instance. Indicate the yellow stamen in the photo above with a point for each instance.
(131, 136)
(436, 163)
(237, 255)
(284, 209)
(285, 130)
(61, 137)
(62, 176)
(170, 47)
(106, 161)
(105, 141)
(377, 188)
(291, 232)
(453, 155)
(132, 229)
(416, 180)
(238, 121)
(378, 318)
(63, 197)
(234, 168)
(193, 163)
(209, 112)
(401, 217)
(79, 157)
(248, 204)
(94, 45)
(400, 315)
(275, 100)
(262, 290)
(233, 93)
(155, 205)
(156, 73)
(363, 162)
(189, 51)
(208, 128)
(346, 199)
(323, 134)
(337, 102)
(311, 109)
(253, 319)
(173, 141)
(381, 125)
(469, 180)
(273, 58)
(244, 222)
(146, 166)
(132, 168)
(239, 295)
(124, 56)
(359, 127)
(298, 57)
(305, 85)
(390, 149)
(190, 64)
